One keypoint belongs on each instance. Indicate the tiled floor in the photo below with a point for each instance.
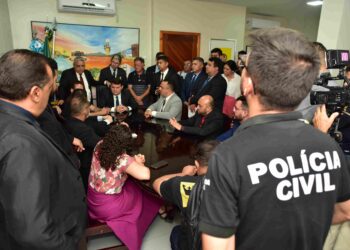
(156, 238)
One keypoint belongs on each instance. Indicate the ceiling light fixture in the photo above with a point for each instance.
(314, 3)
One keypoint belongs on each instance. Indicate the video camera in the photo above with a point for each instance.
(334, 92)
(336, 96)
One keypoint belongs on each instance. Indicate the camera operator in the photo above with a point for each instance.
(274, 185)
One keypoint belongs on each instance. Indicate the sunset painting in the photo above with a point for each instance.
(94, 43)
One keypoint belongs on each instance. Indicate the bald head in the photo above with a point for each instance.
(205, 105)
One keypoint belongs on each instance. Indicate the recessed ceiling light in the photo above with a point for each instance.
(314, 3)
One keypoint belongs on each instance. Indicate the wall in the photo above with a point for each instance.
(151, 16)
(334, 24)
(5, 31)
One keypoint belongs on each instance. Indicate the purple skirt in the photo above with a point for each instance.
(128, 213)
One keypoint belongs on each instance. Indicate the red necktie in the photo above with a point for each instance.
(202, 121)
(81, 78)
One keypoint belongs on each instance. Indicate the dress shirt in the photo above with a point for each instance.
(112, 72)
(165, 72)
(86, 85)
(113, 109)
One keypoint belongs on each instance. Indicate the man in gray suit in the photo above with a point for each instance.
(168, 106)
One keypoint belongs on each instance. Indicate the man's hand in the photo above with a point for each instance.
(108, 83)
(60, 102)
(79, 147)
(148, 113)
(105, 111)
(121, 109)
(138, 100)
(189, 170)
(108, 119)
(175, 124)
(321, 120)
(58, 109)
(193, 107)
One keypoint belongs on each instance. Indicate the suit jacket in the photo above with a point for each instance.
(106, 74)
(173, 108)
(49, 124)
(216, 88)
(42, 200)
(108, 101)
(172, 77)
(69, 77)
(151, 77)
(210, 129)
(190, 88)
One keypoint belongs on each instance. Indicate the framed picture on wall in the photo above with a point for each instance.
(95, 44)
(228, 47)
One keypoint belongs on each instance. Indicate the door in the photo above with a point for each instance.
(179, 47)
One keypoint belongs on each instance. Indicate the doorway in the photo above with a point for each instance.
(179, 47)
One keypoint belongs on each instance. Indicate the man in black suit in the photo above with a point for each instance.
(194, 80)
(151, 73)
(113, 73)
(76, 126)
(215, 85)
(76, 74)
(118, 99)
(42, 200)
(167, 74)
(207, 122)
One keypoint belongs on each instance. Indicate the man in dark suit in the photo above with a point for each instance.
(207, 122)
(215, 85)
(113, 73)
(76, 74)
(77, 127)
(42, 200)
(167, 74)
(118, 99)
(194, 80)
(151, 73)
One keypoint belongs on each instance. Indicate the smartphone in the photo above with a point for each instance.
(159, 164)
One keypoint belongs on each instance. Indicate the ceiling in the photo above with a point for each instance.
(279, 8)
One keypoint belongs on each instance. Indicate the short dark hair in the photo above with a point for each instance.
(159, 54)
(53, 65)
(204, 151)
(140, 59)
(242, 52)
(232, 65)
(347, 69)
(283, 65)
(171, 85)
(78, 102)
(199, 59)
(116, 82)
(243, 100)
(217, 63)
(163, 57)
(116, 56)
(321, 51)
(216, 50)
(20, 70)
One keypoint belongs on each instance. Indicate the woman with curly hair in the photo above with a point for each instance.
(112, 197)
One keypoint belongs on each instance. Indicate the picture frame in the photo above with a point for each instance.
(94, 43)
(228, 47)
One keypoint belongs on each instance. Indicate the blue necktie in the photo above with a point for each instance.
(204, 84)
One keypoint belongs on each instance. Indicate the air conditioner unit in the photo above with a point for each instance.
(259, 23)
(99, 7)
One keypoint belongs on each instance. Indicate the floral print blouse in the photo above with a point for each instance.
(110, 181)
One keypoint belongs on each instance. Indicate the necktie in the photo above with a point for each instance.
(204, 84)
(163, 105)
(116, 101)
(193, 78)
(81, 78)
(202, 121)
(161, 76)
(114, 73)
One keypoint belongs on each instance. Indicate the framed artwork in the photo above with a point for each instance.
(228, 47)
(95, 44)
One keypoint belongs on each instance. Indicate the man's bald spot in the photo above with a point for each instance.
(208, 100)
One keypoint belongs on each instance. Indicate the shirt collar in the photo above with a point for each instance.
(23, 112)
(168, 97)
(165, 72)
(270, 118)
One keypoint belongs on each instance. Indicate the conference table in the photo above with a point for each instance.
(158, 141)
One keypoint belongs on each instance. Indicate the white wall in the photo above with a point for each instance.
(5, 31)
(212, 20)
(333, 30)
